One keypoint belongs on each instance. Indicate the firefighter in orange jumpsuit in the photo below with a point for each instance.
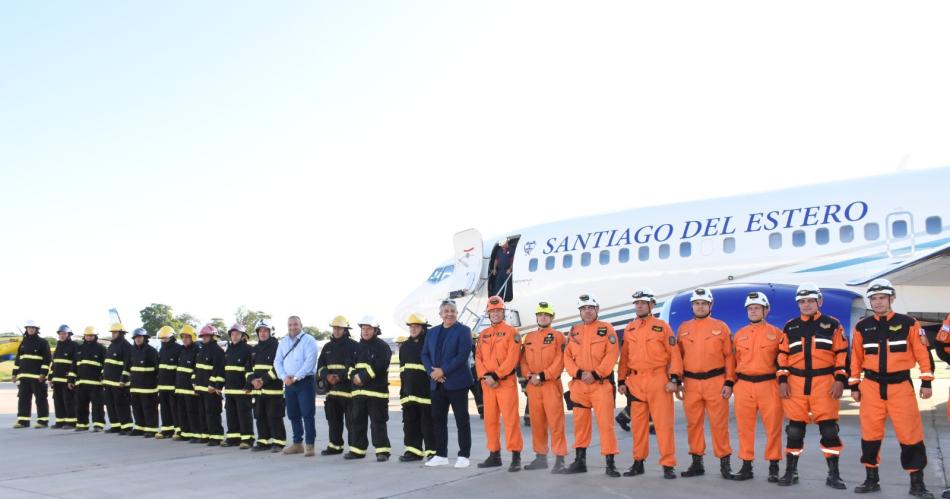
(885, 347)
(496, 358)
(812, 372)
(542, 362)
(943, 351)
(651, 370)
(709, 369)
(756, 390)
(589, 358)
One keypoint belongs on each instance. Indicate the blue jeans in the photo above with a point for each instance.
(301, 407)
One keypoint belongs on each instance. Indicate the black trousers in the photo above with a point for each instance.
(211, 403)
(168, 405)
(338, 417)
(442, 399)
(119, 407)
(145, 410)
(189, 416)
(376, 411)
(269, 411)
(86, 396)
(417, 429)
(28, 390)
(240, 420)
(64, 401)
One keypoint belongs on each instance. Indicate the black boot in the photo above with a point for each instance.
(329, 451)
(623, 420)
(636, 469)
(871, 484)
(773, 471)
(540, 463)
(611, 467)
(405, 458)
(725, 467)
(558, 465)
(580, 462)
(745, 472)
(695, 469)
(834, 477)
(917, 487)
(791, 471)
(494, 460)
(515, 462)
(669, 473)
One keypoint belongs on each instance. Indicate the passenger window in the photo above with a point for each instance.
(549, 263)
(567, 261)
(871, 232)
(664, 251)
(934, 225)
(685, 249)
(643, 253)
(533, 265)
(822, 236)
(846, 233)
(798, 238)
(604, 257)
(775, 240)
(585, 259)
(623, 256)
(899, 228)
(729, 245)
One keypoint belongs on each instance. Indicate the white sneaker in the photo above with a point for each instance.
(437, 461)
(461, 462)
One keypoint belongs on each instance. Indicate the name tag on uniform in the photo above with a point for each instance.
(895, 328)
(716, 332)
(602, 331)
(824, 325)
(658, 329)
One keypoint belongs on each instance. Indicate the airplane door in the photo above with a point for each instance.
(900, 231)
(469, 261)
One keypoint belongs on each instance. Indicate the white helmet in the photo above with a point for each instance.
(368, 320)
(644, 294)
(585, 300)
(30, 323)
(880, 287)
(262, 323)
(757, 298)
(808, 290)
(701, 294)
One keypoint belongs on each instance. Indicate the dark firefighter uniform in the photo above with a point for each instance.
(115, 380)
(64, 399)
(143, 388)
(189, 415)
(209, 373)
(885, 349)
(30, 367)
(371, 400)
(90, 357)
(337, 357)
(812, 355)
(414, 398)
(237, 398)
(269, 402)
(167, 400)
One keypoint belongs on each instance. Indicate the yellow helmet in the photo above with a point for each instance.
(89, 331)
(544, 308)
(189, 330)
(340, 321)
(117, 326)
(417, 319)
(166, 332)
(401, 339)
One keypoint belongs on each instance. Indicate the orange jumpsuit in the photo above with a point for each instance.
(543, 354)
(885, 349)
(943, 347)
(708, 365)
(812, 355)
(756, 390)
(497, 356)
(649, 359)
(593, 348)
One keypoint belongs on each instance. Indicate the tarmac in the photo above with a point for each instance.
(67, 464)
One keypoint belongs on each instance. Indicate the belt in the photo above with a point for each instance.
(804, 373)
(888, 378)
(705, 375)
(757, 378)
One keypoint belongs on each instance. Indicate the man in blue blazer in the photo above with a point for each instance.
(445, 357)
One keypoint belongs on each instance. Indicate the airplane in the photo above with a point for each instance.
(839, 235)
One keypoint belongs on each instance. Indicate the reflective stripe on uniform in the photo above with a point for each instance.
(369, 369)
(30, 357)
(415, 451)
(185, 369)
(89, 363)
(144, 391)
(413, 398)
(234, 368)
(272, 392)
(143, 369)
(168, 367)
(337, 393)
(88, 382)
(335, 366)
(115, 362)
(234, 391)
(62, 361)
(369, 393)
(419, 367)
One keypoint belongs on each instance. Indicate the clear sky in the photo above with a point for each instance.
(315, 158)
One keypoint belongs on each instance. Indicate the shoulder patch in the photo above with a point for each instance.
(658, 329)
(672, 341)
(612, 339)
(896, 328)
(824, 325)
(517, 338)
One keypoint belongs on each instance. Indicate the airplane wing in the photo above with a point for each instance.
(930, 268)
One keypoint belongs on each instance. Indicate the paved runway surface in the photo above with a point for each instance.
(54, 463)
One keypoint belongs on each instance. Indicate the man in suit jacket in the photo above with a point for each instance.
(445, 356)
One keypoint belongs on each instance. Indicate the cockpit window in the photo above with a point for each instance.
(442, 273)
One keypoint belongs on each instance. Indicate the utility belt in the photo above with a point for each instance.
(888, 378)
(655, 370)
(811, 373)
(705, 375)
(756, 378)
(597, 378)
